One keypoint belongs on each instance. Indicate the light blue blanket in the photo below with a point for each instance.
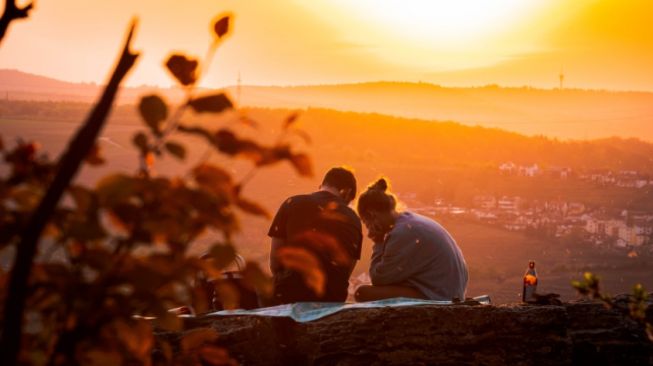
(308, 311)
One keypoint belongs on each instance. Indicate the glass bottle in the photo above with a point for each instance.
(530, 283)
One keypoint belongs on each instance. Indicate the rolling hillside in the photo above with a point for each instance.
(564, 114)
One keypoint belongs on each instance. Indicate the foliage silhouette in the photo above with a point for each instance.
(12, 12)
(79, 148)
(120, 257)
(636, 303)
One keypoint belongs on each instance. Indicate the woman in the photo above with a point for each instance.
(413, 256)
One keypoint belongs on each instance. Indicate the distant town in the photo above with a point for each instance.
(560, 218)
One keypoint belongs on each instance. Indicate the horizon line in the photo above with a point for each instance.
(350, 83)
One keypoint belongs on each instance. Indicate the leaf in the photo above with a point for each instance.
(99, 357)
(176, 149)
(215, 356)
(303, 135)
(228, 143)
(227, 294)
(215, 103)
(208, 268)
(221, 27)
(196, 338)
(136, 337)
(170, 322)
(154, 111)
(213, 178)
(255, 279)
(222, 255)
(140, 141)
(85, 231)
(292, 118)
(202, 297)
(97, 258)
(305, 263)
(274, 155)
(115, 188)
(302, 164)
(252, 207)
(26, 196)
(183, 69)
(94, 156)
(248, 121)
(324, 243)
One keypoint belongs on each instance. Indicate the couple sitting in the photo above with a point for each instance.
(317, 239)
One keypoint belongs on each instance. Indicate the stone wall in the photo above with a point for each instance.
(572, 334)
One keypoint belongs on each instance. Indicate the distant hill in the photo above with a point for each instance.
(377, 140)
(18, 80)
(18, 85)
(566, 114)
(569, 113)
(360, 139)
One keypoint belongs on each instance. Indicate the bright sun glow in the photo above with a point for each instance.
(436, 34)
(445, 22)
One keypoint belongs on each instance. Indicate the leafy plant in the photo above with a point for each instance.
(119, 256)
(637, 302)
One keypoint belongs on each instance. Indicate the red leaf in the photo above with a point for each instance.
(248, 121)
(228, 143)
(221, 26)
(302, 164)
(176, 149)
(98, 357)
(290, 120)
(213, 179)
(154, 111)
(256, 279)
(227, 294)
(211, 103)
(183, 69)
(216, 356)
(222, 255)
(305, 263)
(198, 337)
(252, 207)
(84, 198)
(137, 337)
(94, 156)
(304, 136)
(115, 188)
(140, 141)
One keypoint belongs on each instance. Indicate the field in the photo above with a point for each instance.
(496, 257)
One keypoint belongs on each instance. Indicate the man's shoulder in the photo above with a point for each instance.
(352, 214)
(299, 198)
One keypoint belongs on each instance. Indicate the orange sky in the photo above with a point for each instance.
(598, 43)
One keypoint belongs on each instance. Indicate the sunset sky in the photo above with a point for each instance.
(606, 44)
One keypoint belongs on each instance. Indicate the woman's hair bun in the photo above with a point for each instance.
(380, 185)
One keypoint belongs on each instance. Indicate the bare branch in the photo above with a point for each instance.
(11, 13)
(68, 166)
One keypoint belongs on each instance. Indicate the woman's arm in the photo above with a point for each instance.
(392, 261)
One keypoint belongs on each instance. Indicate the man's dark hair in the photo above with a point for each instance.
(341, 178)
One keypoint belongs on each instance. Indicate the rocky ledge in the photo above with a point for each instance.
(582, 333)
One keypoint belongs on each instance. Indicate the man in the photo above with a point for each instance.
(316, 241)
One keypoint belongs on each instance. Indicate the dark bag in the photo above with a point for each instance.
(248, 299)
